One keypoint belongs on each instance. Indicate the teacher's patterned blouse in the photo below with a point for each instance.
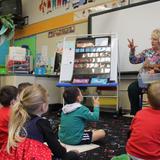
(149, 55)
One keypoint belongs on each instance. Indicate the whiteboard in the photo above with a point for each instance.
(136, 21)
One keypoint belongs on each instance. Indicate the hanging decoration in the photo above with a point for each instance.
(61, 31)
(47, 6)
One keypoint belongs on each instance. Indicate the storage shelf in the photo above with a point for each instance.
(62, 84)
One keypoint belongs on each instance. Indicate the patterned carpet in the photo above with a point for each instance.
(114, 142)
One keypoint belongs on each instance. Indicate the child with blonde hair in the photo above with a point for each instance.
(26, 121)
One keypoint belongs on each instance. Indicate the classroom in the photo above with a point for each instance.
(79, 80)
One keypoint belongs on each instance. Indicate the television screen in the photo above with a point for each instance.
(11, 7)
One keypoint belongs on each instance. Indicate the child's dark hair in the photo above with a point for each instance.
(70, 95)
(153, 94)
(7, 94)
(21, 86)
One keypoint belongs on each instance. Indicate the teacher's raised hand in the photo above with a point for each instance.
(131, 45)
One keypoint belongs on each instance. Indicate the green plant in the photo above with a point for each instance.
(7, 28)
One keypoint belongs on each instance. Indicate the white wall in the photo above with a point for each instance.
(48, 83)
(31, 9)
(43, 40)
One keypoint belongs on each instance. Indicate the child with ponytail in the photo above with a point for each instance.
(26, 122)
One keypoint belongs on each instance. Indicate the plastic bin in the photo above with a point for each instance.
(145, 78)
(40, 71)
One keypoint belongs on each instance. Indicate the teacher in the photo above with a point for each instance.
(151, 64)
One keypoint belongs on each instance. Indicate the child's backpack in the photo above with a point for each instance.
(27, 150)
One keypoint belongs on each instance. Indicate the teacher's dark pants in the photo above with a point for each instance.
(134, 92)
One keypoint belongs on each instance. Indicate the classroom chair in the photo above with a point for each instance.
(141, 96)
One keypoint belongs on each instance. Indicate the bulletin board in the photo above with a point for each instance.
(4, 48)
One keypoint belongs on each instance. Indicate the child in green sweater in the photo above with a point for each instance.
(73, 118)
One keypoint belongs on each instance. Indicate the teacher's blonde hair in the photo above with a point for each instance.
(156, 34)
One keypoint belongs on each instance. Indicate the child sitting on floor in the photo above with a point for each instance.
(26, 123)
(144, 141)
(73, 118)
(8, 95)
(22, 86)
